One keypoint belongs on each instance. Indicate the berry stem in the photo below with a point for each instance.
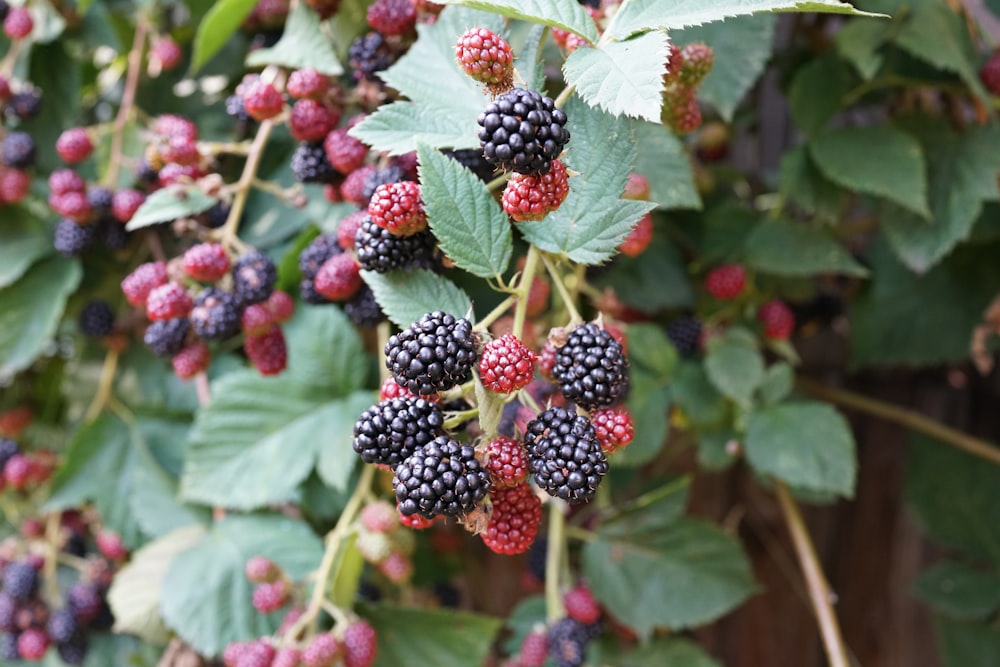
(128, 102)
(523, 288)
(819, 590)
(459, 417)
(577, 533)
(227, 234)
(564, 294)
(496, 313)
(902, 416)
(104, 387)
(554, 609)
(10, 58)
(202, 388)
(382, 333)
(52, 524)
(498, 182)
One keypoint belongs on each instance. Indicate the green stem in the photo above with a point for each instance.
(554, 609)
(564, 294)
(577, 533)
(459, 417)
(523, 288)
(498, 182)
(496, 313)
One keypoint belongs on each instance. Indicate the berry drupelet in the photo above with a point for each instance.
(433, 354)
(389, 432)
(565, 455)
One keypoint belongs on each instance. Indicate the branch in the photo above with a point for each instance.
(554, 609)
(128, 101)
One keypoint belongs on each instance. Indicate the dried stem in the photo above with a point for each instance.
(554, 609)
(128, 101)
(104, 386)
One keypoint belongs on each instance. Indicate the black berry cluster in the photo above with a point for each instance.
(565, 455)
(96, 319)
(441, 478)
(381, 251)
(389, 432)
(591, 368)
(522, 131)
(433, 354)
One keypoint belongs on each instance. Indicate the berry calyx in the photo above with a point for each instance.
(506, 365)
(397, 207)
(486, 57)
(777, 318)
(530, 197)
(513, 524)
(726, 282)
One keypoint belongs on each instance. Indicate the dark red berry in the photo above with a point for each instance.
(392, 17)
(344, 152)
(32, 643)
(256, 320)
(777, 318)
(307, 83)
(206, 262)
(990, 73)
(124, 204)
(268, 597)
(74, 145)
(281, 306)
(339, 278)
(506, 365)
(397, 207)
(167, 52)
(15, 184)
(269, 352)
(192, 360)
(726, 282)
(322, 651)
(18, 23)
(262, 100)
(348, 228)
(360, 648)
(62, 181)
(581, 605)
(514, 521)
(639, 238)
(534, 650)
(310, 120)
(506, 462)
(614, 428)
(528, 197)
(698, 59)
(170, 125)
(137, 285)
(167, 302)
(486, 57)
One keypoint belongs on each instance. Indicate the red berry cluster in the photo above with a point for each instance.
(686, 68)
(486, 57)
(383, 545)
(22, 471)
(570, 41)
(528, 197)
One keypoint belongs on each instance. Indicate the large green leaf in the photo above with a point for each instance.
(468, 222)
(30, 310)
(735, 365)
(959, 590)
(741, 49)
(965, 644)
(564, 14)
(661, 158)
(697, 397)
(662, 265)
(860, 42)
(261, 436)
(653, 361)
(882, 161)
(23, 241)
(398, 127)
(206, 597)
(818, 89)
(302, 44)
(592, 221)
(168, 204)
(806, 186)
(784, 248)
(623, 78)
(673, 651)
(807, 444)
(409, 637)
(406, 296)
(219, 24)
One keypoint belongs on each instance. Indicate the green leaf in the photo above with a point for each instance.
(468, 222)
(960, 591)
(807, 444)
(219, 24)
(648, 576)
(261, 436)
(962, 172)
(399, 127)
(806, 186)
(410, 637)
(818, 90)
(674, 652)
(859, 43)
(735, 366)
(30, 310)
(964, 644)
(883, 161)
(778, 383)
(206, 598)
(741, 49)
(661, 158)
(785, 248)
(23, 241)
(406, 296)
(135, 592)
(642, 15)
(565, 14)
(593, 220)
(302, 44)
(623, 78)
(653, 361)
(698, 398)
(168, 204)
(953, 495)
(528, 615)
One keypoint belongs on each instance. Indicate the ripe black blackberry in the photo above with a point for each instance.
(73, 652)
(441, 478)
(522, 131)
(474, 161)
(236, 109)
(380, 251)
(20, 580)
(390, 431)
(8, 646)
(146, 173)
(112, 233)
(316, 254)
(25, 105)
(96, 319)
(166, 337)
(18, 150)
(685, 334)
(363, 309)
(99, 199)
(216, 216)
(216, 315)
(568, 640)
(433, 354)
(384, 176)
(310, 164)
(61, 626)
(4, 10)
(8, 448)
(565, 455)
(369, 54)
(591, 368)
(72, 239)
(254, 278)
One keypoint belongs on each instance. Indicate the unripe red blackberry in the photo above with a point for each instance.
(339, 278)
(167, 302)
(18, 24)
(206, 262)
(637, 187)
(310, 120)
(534, 650)
(614, 428)
(307, 83)
(269, 597)
(442, 477)
(191, 360)
(322, 651)
(990, 73)
(392, 17)
(681, 112)
(287, 657)
(354, 188)
(281, 305)
(262, 100)
(591, 368)
(167, 53)
(268, 353)
(566, 458)
(74, 145)
(521, 130)
(32, 643)
(379, 517)
(391, 389)
(397, 567)
(261, 569)
(345, 153)
(166, 337)
(433, 354)
(360, 647)
(137, 285)
(529, 197)
(347, 230)
(486, 57)
(325, 8)
(169, 125)
(514, 521)
(506, 365)
(389, 432)
(698, 61)
(777, 318)
(62, 181)
(73, 205)
(675, 61)
(256, 320)
(582, 606)
(397, 208)
(124, 204)
(506, 462)
(639, 238)
(726, 282)
(178, 150)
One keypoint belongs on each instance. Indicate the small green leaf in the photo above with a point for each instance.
(784, 248)
(697, 397)
(735, 366)
(565, 14)
(168, 204)
(778, 383)
(206, 598)
(807, 444)
(818, 89)
(959, 590)
(663, 161)
(398, 127)
(882, 161)
(623, 78)
(860, 42)
(967, 644)
(806, 186)
(23, 241)
(406, 296)
(302, 44)
(221, 21)
(30, 310)
(410, 637)
(468, 222)
(349, 567)
(674, 652)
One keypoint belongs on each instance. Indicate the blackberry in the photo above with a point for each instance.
(84, 602)
(73, 652)
(20, 580)
(363, 309)
(8, 449)
(215, 315)
(254, 278)
(522, 131)
(474, 161)
(591, 368)
(380, 251)
(307, 290)
(72, 239)
(369, 54)
(310, 165)
(390, 431)
(441, 478)
(147, 174)
(8, 613)
(113, 234)
(215, 217)
(317, 253)
(96, 319)
(166, 337)
(384, 176)
(100, 200)
(568, 642)
(236, 108)
(8, 646)
(18, 150)
(565, 455)
(4, 10)
(433, 354)
(25, 105)
(537, 555)
(61, 626)
(685, 334)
